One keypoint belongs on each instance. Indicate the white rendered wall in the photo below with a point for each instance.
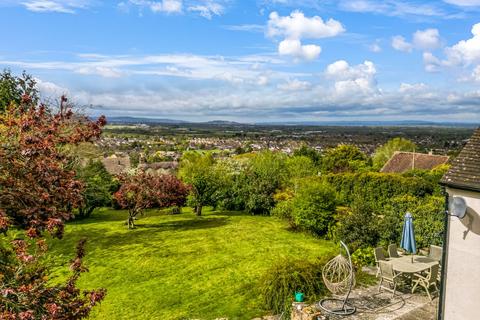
(462, 291)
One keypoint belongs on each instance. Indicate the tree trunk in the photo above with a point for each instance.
(131, 220)
(176, 210)
(81, 213)
(198, 210)
(89, 212)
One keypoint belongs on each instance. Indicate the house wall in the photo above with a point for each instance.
(462, 284)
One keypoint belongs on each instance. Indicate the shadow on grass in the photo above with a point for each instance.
(110, 215)
(225, 213)
(184, 225)
(105, 215)
(102, 238)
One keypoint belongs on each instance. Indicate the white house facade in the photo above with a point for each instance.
(460, 296)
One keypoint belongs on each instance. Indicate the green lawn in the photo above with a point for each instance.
(181, 267)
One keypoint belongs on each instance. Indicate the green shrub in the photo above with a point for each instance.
(363, 257)
(431, 176)
(280, 282)
(377, 188)
(345, 158)
(260, 180)
(306, 151)
(428, 221)
(283, 209)
(300, 167)
(427, 215)
(360, 227)
(313, 206)
(99, 185)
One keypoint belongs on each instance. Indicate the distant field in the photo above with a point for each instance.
(181, 267)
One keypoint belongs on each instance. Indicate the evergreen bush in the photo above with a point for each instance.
(280, 282)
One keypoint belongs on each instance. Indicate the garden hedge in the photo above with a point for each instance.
(377, 188)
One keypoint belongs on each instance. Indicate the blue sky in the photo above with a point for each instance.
(249, 60)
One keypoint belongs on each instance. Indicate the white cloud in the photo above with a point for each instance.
(246, 27)
(49, 90)
(205, 8)
(163, 6)
(412, 88)
(296, 49)
(262, 80)
(399, 43)
(352, 80)
(168, 6)
(99, 70)
(463, 57)
(464, 3)
(465, 51)
(364, 6)
(375, 47)
(208, 9)
(393, 8)
(297, 26)
(476, 73)
(432, 63)
(59, 6)
(341, 70)
(234, 70)
(427, 39)
(294, 85)
(232, 88)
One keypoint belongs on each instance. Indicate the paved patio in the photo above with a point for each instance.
(372, 305)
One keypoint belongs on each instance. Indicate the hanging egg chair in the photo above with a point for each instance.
(339, 278)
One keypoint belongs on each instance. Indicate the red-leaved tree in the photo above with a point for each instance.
(141, 191)
(38, 191)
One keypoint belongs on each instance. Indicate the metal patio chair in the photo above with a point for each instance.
(388, 276)
(392, 251)
(435, 253)
(426, 281)
(379, 256)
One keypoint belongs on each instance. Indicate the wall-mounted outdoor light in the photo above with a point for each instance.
(457, 207)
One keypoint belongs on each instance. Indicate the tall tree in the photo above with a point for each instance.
(141, 191)
(38, 192)
(262, 178)
(99, 185)
(307, 151)
(205, 177)
(386, 151)
(344, 158)
(14, 90)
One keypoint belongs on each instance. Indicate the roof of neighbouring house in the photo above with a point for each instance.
(402, 161)
(116, 165)
(165, 165)
(465, 170)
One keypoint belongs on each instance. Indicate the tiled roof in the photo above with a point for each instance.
(465, 170)
(165, 165)
(402, 161)
(116, 165)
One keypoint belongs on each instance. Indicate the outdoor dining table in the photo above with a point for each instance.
(404, 264)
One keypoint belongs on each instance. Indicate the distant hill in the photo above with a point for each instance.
(223, 122)
(135, 120)
(399, 123)
(138, 120)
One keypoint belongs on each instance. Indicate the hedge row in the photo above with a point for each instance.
(377, 188)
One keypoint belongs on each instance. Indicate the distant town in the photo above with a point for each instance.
(160, 146)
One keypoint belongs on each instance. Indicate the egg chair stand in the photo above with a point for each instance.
(339, 278)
